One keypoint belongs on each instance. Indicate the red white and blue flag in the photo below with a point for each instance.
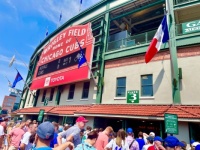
(161, 36)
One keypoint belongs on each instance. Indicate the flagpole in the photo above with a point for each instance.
(9, 83)
(21, 59)
(87, 64)
(169, 43)
(173, 56)
(91, 74)
(26, 84)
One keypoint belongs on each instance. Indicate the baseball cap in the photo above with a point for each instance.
(150, 138)
(45, 130)
(197, 147)
(129, 130)
(192, 141)
(172, 141)
(81, 119)
(152, 134)
(194, 144)
(158, 138)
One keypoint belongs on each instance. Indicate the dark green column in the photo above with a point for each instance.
(24, 100)
(102, 62)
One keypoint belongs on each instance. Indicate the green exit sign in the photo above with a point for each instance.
(132, 96)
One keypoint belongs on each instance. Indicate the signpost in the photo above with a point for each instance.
(132, 96)
(190, 27)
(41, 115)
(171, 123)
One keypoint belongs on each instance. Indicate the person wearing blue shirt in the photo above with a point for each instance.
(140, 140)
(89, 142)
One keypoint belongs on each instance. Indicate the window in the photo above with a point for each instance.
(44, 95)
(29, 99)
(71, 91)
(121, 87)
(146, 85)
(52, 93)
(85, 93)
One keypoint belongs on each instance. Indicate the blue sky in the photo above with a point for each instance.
(23, 25)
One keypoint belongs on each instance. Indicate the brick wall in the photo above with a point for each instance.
(164, 55)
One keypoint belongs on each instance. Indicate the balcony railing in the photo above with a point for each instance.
(131, 41)
(176, 2)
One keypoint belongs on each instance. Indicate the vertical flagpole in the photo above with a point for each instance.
(21, 59)
(173, 58)
(9, 83)
(91, 74)
(26, 84)
(87, 64)
(80, 6)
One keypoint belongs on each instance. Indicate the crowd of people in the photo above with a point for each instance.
(29, 135)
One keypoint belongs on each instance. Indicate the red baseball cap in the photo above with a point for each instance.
(81, 119)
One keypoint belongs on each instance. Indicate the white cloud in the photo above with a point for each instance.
(52, 9)
(11, 4)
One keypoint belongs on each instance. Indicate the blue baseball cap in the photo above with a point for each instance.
(172, 141)
(197, 147)
(150, 138)
(45, 130)
(192, 141)
(129, 130)
(158, 138)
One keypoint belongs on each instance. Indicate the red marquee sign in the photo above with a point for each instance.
(58, 62)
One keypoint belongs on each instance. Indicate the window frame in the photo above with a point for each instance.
(51, 95)
(87, 90)
(44, 95)
(142, 95)
(71, 91)
(120, 87)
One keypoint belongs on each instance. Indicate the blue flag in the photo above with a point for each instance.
(81, 59)
(17, 79)
(47, 32)
(60, 17)
(80, 1)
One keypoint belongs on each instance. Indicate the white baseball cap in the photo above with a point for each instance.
(152, 134)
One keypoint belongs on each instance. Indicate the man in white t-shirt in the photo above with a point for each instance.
(25, 140)
(2, 125)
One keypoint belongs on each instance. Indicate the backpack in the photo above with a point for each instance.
(131, 143)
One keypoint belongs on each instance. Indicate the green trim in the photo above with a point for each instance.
(24, 100)
(186, 4)
(174, 60)
(139, 9)
(102, 62)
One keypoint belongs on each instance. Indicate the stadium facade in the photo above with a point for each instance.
(125, 91)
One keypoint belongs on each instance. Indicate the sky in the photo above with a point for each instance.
(23, 24)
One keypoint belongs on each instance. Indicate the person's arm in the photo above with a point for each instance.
(9, 139)
(22, 146)
(64, 146)
(70, 138)
(24, 141)
(60, 136)
(108, 145)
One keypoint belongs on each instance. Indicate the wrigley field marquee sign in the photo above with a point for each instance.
(58, 63)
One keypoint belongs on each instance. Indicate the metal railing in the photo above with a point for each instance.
(179, 29)
(131, 41)
(176, 2)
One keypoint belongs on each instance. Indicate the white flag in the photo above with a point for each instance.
(12, 61)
